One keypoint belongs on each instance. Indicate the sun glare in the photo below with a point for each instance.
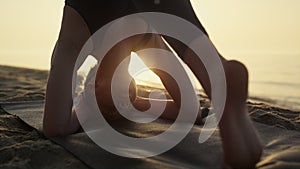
(141, 73)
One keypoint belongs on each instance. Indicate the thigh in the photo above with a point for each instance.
(180, 8)
(97, 13)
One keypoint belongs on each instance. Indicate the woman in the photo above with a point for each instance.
(82, 18)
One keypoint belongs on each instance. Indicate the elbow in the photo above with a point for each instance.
(52, 130)
(52, 127)
(50, 133)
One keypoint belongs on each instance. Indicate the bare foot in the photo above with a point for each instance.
(241, 144)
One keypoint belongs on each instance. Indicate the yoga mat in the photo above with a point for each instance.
(282, 147)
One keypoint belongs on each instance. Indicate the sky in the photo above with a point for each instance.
(238, 27)
(28, 32)
(242, 30)
(30, 28)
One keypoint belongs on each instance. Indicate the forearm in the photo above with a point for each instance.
(58, 116)
(59, 119)
(170, 112)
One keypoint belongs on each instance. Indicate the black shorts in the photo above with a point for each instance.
(97, 13)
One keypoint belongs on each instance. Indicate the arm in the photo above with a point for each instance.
(59, 119)
(170, 112)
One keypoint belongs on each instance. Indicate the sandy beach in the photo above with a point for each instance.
(22, 146)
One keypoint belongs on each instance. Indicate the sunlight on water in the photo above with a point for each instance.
(275, 77)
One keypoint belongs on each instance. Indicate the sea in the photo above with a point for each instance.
(273, 78)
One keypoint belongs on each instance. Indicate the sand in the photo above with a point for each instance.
(21, 146)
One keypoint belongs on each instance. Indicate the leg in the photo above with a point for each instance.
(107, 68)
(172, 106)
(105, 73)
(236, 128)
(58, 116)
(241, 144)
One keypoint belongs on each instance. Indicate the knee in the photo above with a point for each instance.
(51, 130)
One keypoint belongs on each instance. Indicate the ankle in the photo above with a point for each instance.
(234, 116)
